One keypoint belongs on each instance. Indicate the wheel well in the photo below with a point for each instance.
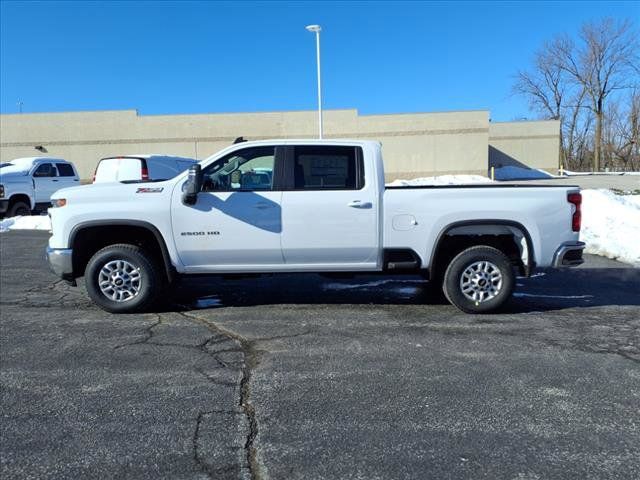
(513, 241)
(86, 241)
(19, 197)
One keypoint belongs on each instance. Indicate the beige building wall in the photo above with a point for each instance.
(414, 145)
(533, 144)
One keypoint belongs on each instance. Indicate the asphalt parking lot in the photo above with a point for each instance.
(308, 377)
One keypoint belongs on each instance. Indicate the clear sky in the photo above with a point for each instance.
(200, 57)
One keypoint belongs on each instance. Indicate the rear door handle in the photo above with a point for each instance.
(359, 204)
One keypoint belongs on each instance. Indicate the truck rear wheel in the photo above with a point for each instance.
(123, 278)
(479, 279)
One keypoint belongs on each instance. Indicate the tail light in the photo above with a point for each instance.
(576, 219)
(144, 173)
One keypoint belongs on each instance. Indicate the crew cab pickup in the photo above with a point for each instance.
(307, 206)
(26, 184)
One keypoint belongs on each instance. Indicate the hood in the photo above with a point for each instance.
(13, 173)
(15, 170)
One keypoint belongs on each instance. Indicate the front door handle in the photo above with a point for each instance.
(359, 204)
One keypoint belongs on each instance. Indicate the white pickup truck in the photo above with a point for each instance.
(26, 184)
(307, 206)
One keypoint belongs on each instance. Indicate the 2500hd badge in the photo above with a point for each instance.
(198, 234)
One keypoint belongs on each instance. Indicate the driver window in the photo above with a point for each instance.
(245, 170)
(45, 170)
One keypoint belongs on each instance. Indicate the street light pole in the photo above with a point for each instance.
(317, 29)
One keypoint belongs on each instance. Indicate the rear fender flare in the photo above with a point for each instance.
(490, 226)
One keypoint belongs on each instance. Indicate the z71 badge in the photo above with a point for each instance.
(149, 190)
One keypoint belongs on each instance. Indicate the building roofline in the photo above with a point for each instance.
(138, 114)
(525, 121)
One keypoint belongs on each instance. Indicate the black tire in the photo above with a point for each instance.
(18, 208)
(150, 280)
(488, 276)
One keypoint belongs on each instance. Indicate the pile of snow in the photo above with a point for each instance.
(520, 173)
(569, 173)
(35, 222)
(611, 225)
(440, 180)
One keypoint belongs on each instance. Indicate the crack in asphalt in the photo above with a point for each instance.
(26, 300)
(251, 360)
(221, 336)
(202, 347)
(204, 466)
(148, 332)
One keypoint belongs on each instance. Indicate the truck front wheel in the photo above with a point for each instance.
(479, 279)
(123, 278)
(18, 208)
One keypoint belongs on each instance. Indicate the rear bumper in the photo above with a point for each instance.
(61, 262)
(569, 254)
(4, 206)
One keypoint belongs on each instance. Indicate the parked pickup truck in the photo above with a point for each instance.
(307, 206)
(26, 184)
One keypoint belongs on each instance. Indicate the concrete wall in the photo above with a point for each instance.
(532, 144)
(414, 145)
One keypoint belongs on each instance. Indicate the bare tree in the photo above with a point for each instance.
(574, 121)
(620, 133)
(605, 60)
(545, 85)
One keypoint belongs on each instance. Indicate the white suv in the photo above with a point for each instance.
(26, 184)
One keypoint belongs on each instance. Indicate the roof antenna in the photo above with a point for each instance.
(239, 140)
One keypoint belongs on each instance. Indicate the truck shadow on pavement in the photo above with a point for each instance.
(545, 291)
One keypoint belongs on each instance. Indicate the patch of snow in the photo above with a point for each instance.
(207, 302)
(407, 291)
(440, 180)
(569, 173)
(28, 222)
(520, 294)
(520, 173)
(351, 286)
(538, 274)
(611, 225)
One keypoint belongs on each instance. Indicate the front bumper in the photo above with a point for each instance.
(61, 262)
(569, 254)
(4, 205)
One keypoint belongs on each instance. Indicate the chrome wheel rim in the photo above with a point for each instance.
(481, 281)
(119, 281)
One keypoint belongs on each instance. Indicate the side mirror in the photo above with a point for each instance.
(193, 185)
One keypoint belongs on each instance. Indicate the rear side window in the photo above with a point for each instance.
(327, 168)
(45, 170)
(65, 170)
